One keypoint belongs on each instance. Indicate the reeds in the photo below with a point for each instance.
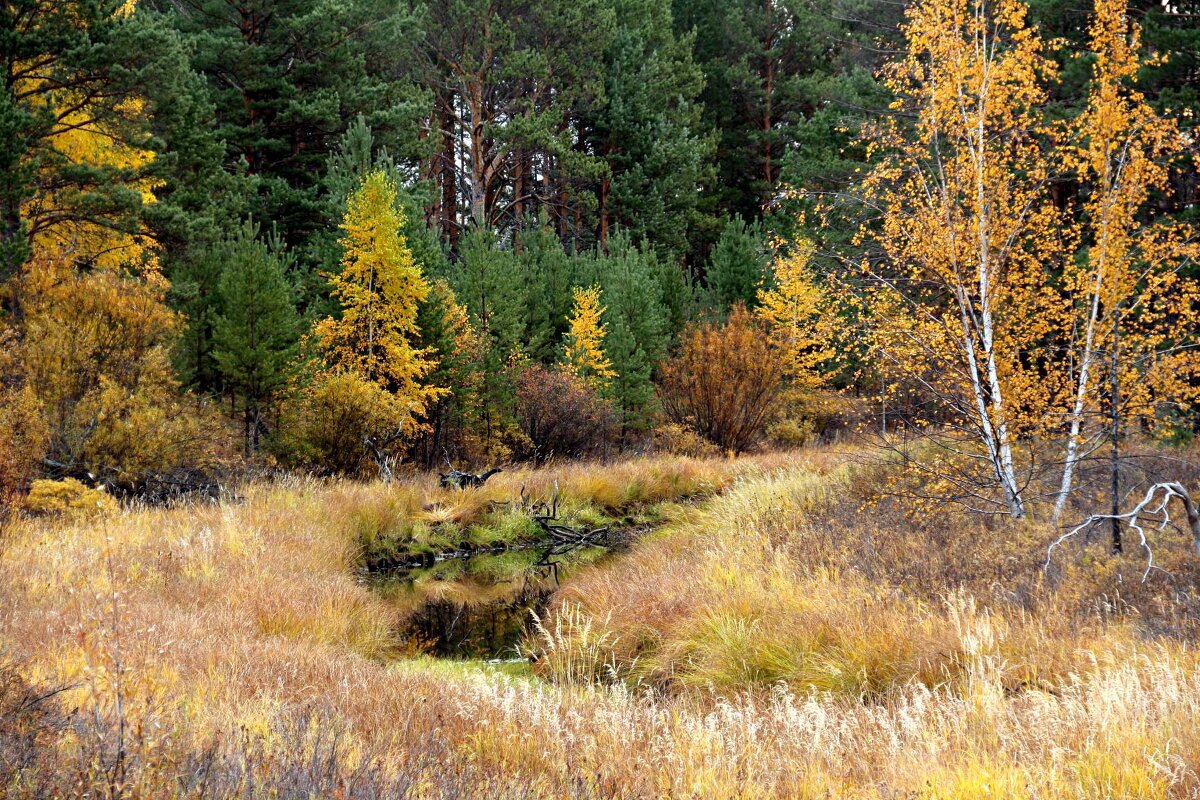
(781, 641)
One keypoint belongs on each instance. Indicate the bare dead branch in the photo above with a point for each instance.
(1146, 512)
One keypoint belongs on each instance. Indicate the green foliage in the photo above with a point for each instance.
(75, 67)
(285, 78)
(738, 266)
(655, 145)
(549, 274)
(637, 327)
(255, 337)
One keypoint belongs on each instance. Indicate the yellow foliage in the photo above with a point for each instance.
(379, 289)
(339, 411)
(96, 354)
(78, 139)
(584, 354)
(115, 141)
(967, 312)
(68, 498)
(798, 323)
(1127, 294)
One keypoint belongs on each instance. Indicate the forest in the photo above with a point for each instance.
(436, 398)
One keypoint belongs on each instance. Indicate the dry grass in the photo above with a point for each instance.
(777, 642)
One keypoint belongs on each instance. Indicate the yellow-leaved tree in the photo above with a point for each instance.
(583, 352)
(1026, 326)
(88, 145)
(374, 366)
(91, 342)
(796, 318)
(956, 301)
(379, 290)
(1132, 310)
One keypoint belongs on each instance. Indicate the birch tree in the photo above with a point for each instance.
(953, 298)
(1131, 267)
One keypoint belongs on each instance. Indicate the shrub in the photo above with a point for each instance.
(23, 438)
(95, 352)
(68, 498)
(790, 432)
(561, 415)
(677, 440)
(725, 381)
(335, 417)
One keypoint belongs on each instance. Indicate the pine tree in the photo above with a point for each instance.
(449, 336)
(649, 131)
(285, 78)
(738, 266)
(549, 275)
(491, 286)
(255, 338)
(379, 290)
(637, 327)
(583, 353)
(76, 155)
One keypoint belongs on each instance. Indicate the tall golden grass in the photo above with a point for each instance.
(778, 641)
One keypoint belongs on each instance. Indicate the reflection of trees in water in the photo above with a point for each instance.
(478, 630)
(491, 628)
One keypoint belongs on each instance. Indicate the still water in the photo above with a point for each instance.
(477, 606)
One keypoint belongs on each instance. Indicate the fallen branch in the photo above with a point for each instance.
(546, 516)
(1156, 513)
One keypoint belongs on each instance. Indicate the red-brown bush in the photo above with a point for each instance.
(725, 381)
(561, 415)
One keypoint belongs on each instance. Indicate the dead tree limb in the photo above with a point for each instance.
(378, 447)
(546, 516)
(1148, 511)
(463, 480)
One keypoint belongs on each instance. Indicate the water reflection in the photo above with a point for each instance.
(479, 605)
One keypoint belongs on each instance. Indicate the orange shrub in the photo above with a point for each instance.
(724, 384)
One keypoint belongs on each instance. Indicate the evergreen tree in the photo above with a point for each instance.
(549, 273)
(678, 294)
(450, 338)
(255, 337)
(491, 286)
(772, 68)
(285, 78)
(75, 149)
(737, 266)
(649, 131)
(637, 327)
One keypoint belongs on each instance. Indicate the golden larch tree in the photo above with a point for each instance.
(794, 311)
(583, 354)
(379, 290)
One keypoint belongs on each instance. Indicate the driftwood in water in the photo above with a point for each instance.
(546, 516)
